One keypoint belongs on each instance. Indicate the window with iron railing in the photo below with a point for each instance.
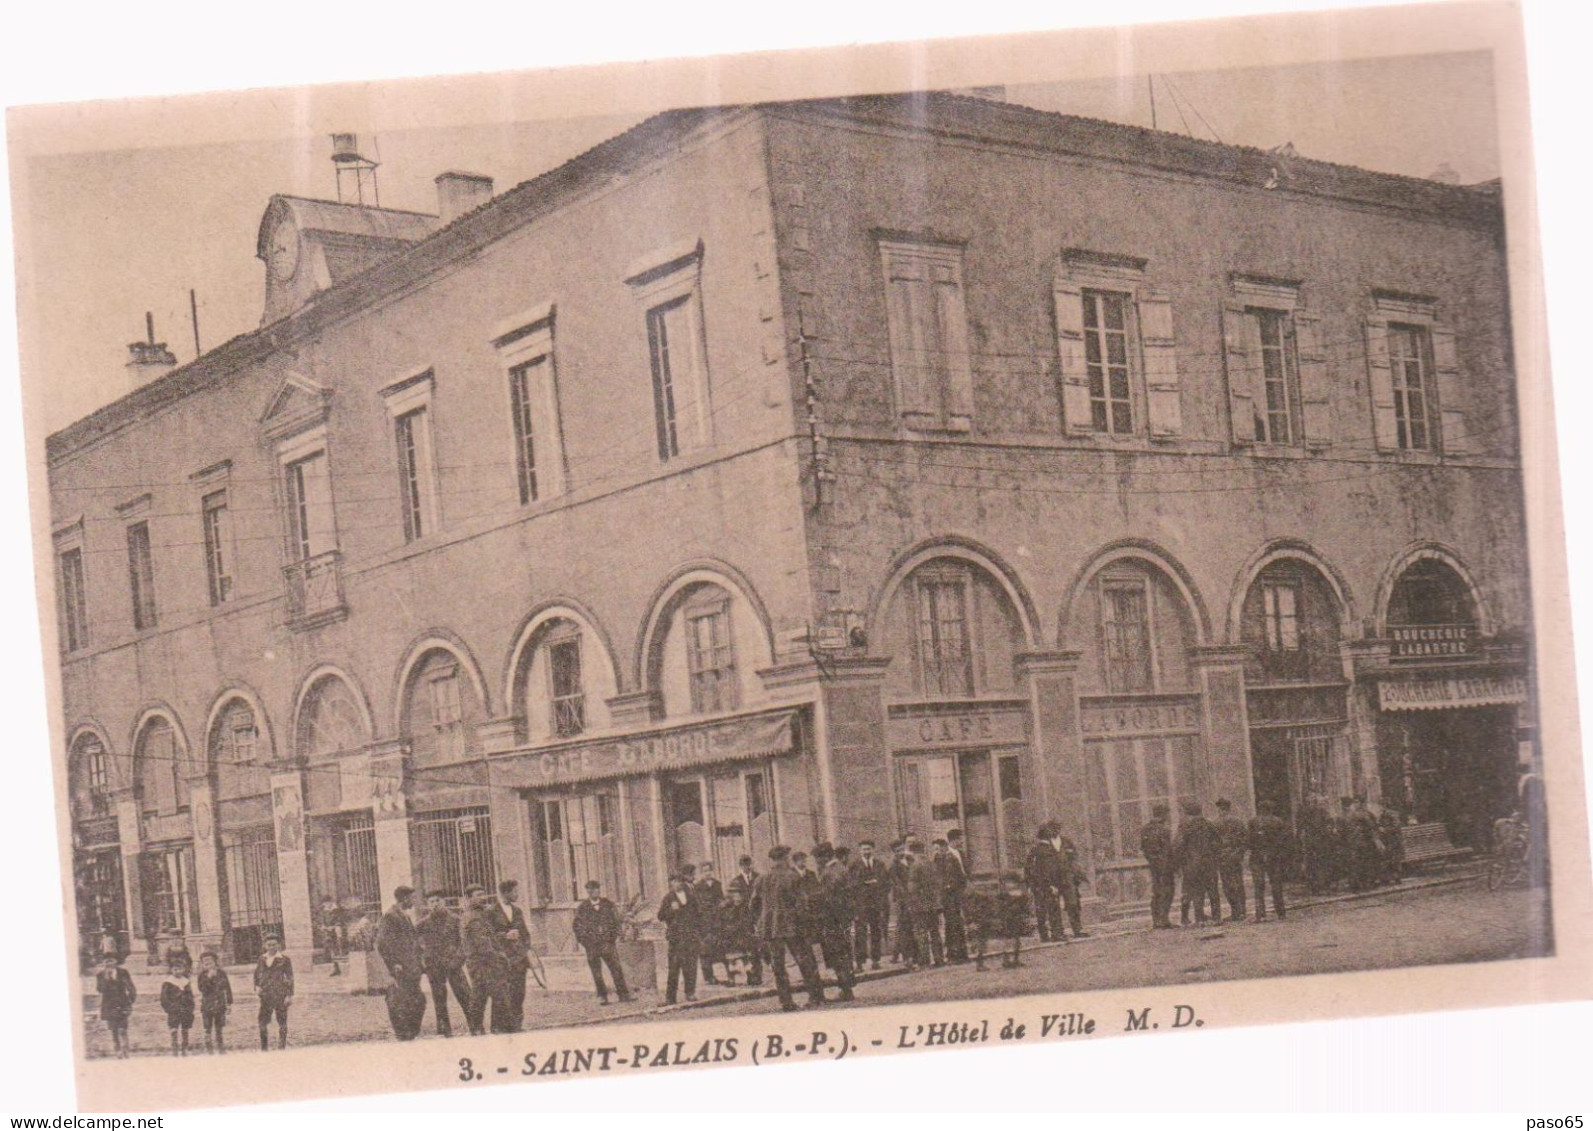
(710, 660)
(1125, 623)
(943, 651)
(568, 696)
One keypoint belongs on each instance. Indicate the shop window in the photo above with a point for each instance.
(141, 576)
(971, 791)
(1125, 625)
(928, 327)
(74, 600)
(167, 883)
(452, 849)
(567, 697)
(945, 666)
(710, 654)
(217, 522)
(719, 818)
(1125, 779)
(578, 841)
(1431, 613)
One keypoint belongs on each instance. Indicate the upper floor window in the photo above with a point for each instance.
(525, 350)
(1115, 341)
(928, 327)
(310, 519)
(1413, 363)
(668, 286)
(447, 712)
(1280, 612)
(1275, 408)
(1278, 381)
(94, 773)
(567, 696)
(1409, 350)
(409, 404)
(1126, 633)
(943, 653)
(141, 576)
(217, 520)
(710, 654)
(74, 599)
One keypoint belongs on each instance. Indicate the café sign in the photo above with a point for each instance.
(1456, 691)
(958, 728)
(761, 736)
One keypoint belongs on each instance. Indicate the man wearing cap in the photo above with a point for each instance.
(835, 917)
(483, 959)
(925, 901)
(443, 955)
(1195, 848)
(1231, 842)
(1042, 874)
(906, 945)
(680, 913)
(1270, 847)
(1156, 842)
(953, 882)
(743, 895)
(398, 943)
(780, 931)
(509, 925)
(597, 928)
(871, 886)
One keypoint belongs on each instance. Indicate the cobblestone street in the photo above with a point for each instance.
(1460, 922)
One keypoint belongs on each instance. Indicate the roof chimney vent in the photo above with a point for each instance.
(148, 359)
(458, 193)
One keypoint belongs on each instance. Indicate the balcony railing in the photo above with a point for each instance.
(569, 715)
(315, 590)
(1431, 641)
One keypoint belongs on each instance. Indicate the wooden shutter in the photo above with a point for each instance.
(908, 298)
(1242, 361)
(1446, 374)
(1163, 401)
(1069, 301)
(1316, 395)
(956, 365)
(1380, 374)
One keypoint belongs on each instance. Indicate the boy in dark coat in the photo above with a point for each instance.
(679, 914)
(1156, 842)
(273, 981)
(1195, 848)
(215, 999)
(597, 928)
(710, 900)
(117, 995)
(398, 942)
(489, 972)
(177, 999)
(443, 957)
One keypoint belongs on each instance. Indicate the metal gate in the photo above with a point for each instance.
(357, 877)
(253, 898)
(452, 849)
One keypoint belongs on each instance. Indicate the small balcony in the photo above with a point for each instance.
(569, 715)
(315, 591)
(1431, 641)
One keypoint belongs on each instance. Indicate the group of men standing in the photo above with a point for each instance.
(1352, 847)
(482, 959)
(1207, 860)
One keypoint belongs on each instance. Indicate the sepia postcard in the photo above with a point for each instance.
(811, 555)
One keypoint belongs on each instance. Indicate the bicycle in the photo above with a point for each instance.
(1508, 864)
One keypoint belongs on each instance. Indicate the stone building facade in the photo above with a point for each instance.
(793, 472)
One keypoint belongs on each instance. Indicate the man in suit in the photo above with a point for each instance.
(508, 923)
(925, 902)
(835, 917)
(710, 901)
(1232, 839)
(906, 945)
(597, 929)
(1195, 847)
(1156, 842)
(443, 955)
(681, 914)
(1070, 874)
(780, 931)
(871, 886)
(1042, 874)
(398, 943)
(484, 959)
(953, 881)
(742, 892)
(1269, 858)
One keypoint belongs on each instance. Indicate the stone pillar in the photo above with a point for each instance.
(127, 832)
(293, 865)
(511, 850)
(389, 763)
(1226, 769)
(1360, 658)
(207, 867)
(852, 797)
(1054, 772)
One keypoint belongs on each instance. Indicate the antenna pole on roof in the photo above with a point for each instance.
(193, 311)
(1150, 84)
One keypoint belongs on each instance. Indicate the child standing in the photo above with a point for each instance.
(177, 999)
(1013, 913)
(273, 981)
(215, 999)
(117, 995)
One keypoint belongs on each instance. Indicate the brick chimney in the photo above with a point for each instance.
(458, 193)
(148, 359)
